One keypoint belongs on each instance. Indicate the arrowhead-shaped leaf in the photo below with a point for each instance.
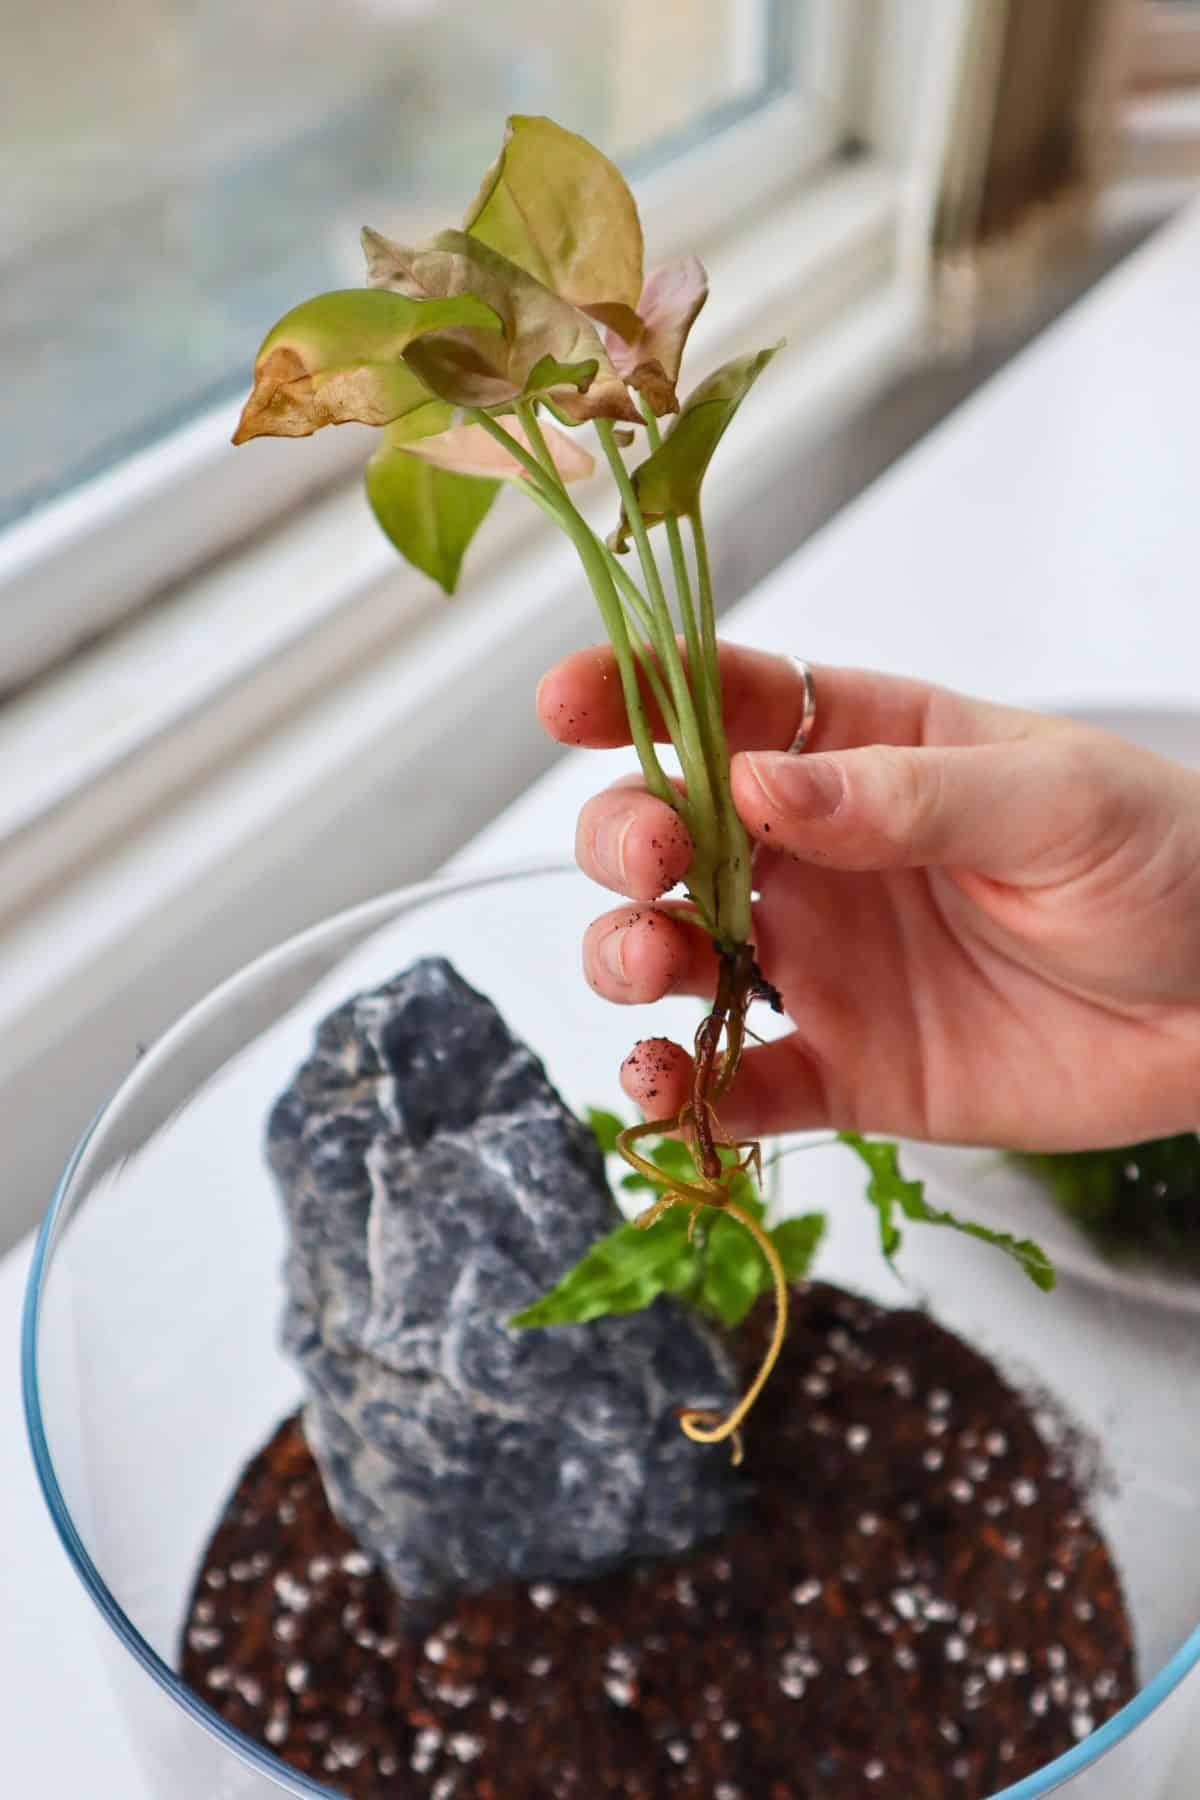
(669, 481)
(547, 349)
(797, 1241)
(624, 1272)
(888, 1189)
(560, 210)
(667, 310)
(340, 357)
(735, 1273)
(430, 514)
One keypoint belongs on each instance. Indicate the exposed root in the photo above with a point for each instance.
(740, 982)
(696, 1422)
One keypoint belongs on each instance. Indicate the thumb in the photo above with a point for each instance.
(1033, 811)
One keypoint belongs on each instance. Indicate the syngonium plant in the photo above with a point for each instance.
(457, 350)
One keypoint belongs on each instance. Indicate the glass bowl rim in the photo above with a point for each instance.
(384, 907)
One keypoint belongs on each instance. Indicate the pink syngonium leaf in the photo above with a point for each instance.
(471, 451)
(667, 310)
(546, 348)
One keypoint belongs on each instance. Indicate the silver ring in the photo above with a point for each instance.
(808, 717)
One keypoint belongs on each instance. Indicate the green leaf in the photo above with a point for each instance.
(339, 357)
(649, 359)
(547, 349)
(720, 1269)
(669, 481)
(797, 1241)
(430, 514)
(552, 204)
(606, 1128)
(734, 1271)
(624, 1272)
(888, 1189)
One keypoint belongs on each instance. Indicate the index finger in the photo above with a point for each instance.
(580, 702)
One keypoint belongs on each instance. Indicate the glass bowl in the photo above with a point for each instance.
(152, 1372)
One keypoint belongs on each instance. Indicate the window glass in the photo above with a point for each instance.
(179, 172)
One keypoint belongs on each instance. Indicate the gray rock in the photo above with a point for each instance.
(435, 1184)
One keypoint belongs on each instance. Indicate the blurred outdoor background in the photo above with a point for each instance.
(179, 176)
(907, 190)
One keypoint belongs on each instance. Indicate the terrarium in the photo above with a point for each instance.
(426, 1426)
(985, 1479)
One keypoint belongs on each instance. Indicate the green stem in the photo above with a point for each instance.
(528, 461)
(635, 600)
(708, 618)
(630, 591)
(628, 588)
(731, 854)
(734, 886)
(645, 653)
(650, 421)
(689, 744)
(618, 634)
(650, 625)
(549, 491)
(527, 413)
(591, 556)
(687, 609)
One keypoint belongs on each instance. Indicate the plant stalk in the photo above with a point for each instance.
(704, 874)
(644, 646)
(689, 746)
(733, 906)
(687, 609)
(590, 555)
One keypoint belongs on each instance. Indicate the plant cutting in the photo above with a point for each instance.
(479, 356)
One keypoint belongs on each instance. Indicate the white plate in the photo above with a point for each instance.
(988, 1188)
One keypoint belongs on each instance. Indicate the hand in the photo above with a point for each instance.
(985, 923)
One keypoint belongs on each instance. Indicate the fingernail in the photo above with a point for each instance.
(611, 954)
(609, 846)
(807, 787)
